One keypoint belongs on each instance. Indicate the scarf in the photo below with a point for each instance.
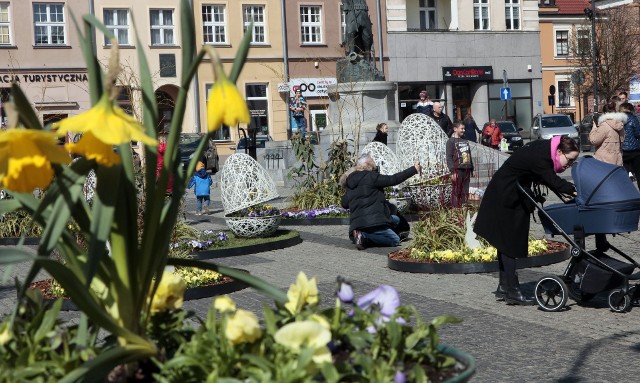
(557, 166)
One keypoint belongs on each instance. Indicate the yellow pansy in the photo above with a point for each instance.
(226, 105)
(170, 293)
(303, 292)
(308, 333)
(25, 159)
(224, 304)
(108, 123)
(94, 149)
(243, 327)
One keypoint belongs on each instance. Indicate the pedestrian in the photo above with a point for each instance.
(202, 182)
(623, 97)
(492, 135)
(442, 119)
(297, 106)
(370, 218)
(470, 128)
(382, 130)
(608, 134)
(425, 105)
(631, 142)
(504, 214)
(460, 164)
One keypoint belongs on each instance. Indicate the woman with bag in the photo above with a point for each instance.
(607, 136)
(491, 136)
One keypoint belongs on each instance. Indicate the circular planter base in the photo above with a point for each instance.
(250, 249)
(476, 267)
(13, 241)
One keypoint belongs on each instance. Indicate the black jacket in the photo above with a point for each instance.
(503, 218)
(381, 137)
(445, 123)
(365, 197)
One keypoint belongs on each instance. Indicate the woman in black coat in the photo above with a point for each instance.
(382, 130)
(370, 218)
(503, 218)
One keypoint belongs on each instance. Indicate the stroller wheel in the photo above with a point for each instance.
(619, 302)
(551, 293)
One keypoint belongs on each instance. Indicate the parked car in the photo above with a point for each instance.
(545, 126)
(512, 134)
(584, 129)
(189, 143)
(261, 141)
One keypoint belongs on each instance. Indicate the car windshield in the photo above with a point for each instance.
(507, 127)
(556, 122)
(188, 138)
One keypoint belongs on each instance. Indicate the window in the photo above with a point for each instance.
(161, 26)
(222, 133)
(564, 94)
(255, 13)
(49, 23)
(427, 14)
(5, 24)
(584, 42)
(481, 14)
(512, 14)
(214, 24)
(311, 24)
(562, 43)
(117, 21)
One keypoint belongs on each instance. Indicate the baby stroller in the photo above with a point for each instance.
(607, 203)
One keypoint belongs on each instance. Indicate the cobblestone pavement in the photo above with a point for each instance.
(510, 343)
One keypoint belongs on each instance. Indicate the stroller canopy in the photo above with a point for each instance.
(601, 183)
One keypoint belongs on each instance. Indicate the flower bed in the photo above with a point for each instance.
(331, 215)
(255, 221)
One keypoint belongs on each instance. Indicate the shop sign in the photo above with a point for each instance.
(467, 73)
(310, 87)
(46, 78)
(634, 89)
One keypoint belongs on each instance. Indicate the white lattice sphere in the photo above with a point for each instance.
(250, 227)
(420, 138)
(384, 158)
(244, 183)
(431, 197)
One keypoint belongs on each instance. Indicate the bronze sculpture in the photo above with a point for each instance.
(358, 35)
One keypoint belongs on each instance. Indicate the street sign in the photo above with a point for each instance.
(505, 94)
(552, 100)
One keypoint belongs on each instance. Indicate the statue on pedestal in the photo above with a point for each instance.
(358, 35)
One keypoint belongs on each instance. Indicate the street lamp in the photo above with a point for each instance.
(591, 15)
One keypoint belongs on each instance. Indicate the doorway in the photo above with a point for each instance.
(461, 101)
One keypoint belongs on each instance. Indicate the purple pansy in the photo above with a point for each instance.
(385, 297)
(345, 291)
(399, 377)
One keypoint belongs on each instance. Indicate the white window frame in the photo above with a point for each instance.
(217, 28)
(5, 9)
(48, 24)
(252, 13)
(424, 10)
(555, 42)
(313, 114)
(116, 28)
(479, 7)
(512, 12)
(572, 104)
(310, 29)
(163, 26)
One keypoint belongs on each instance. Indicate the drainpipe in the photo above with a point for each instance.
(92, 11)
(196, 94)
(379, 36)
(285, 53)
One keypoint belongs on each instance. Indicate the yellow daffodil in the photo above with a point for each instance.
(242, 327)
(5, 334)
(225, 105)
(108, 123)
(94, 149)
(170, 293)
(224, 304)
(303, 292)
(310, 334)
(25, 159)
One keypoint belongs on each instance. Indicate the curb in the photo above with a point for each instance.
(246, 250)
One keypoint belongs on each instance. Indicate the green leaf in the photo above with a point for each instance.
(188, 34)
(94, 71)
(27, 116)
(444, 319)
(96, 369)
(9, 255)
(239, 275)
(95, 22)
(241, 55)
(9, 205)
(330, 373)
(48, 322)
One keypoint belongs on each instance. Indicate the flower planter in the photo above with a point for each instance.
(431, 196)
(403, 204)
(13, 241)
(416, 266)
(250, 249)
(250, 227)
(466, 364)
(316, 221)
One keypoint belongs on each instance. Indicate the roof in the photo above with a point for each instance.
(572, 7)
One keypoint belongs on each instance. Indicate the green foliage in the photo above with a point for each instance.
(37, 348)
(441, 229)
(316, 196)
(18, 223)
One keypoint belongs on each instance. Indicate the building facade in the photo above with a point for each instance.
(463, 53)
(39, 49)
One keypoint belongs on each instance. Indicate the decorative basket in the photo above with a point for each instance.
(431, 196)
(251, 227)
(402, 204)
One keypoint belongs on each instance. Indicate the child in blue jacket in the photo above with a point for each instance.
(202, 181)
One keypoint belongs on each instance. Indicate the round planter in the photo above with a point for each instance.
(466, 364)
(250, 227)
(403, 204)
(315, 221)
(431, 196)
(250, 249)
(476, 267)
(13, 241)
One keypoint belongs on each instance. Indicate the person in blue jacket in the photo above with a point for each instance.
(202, 181)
